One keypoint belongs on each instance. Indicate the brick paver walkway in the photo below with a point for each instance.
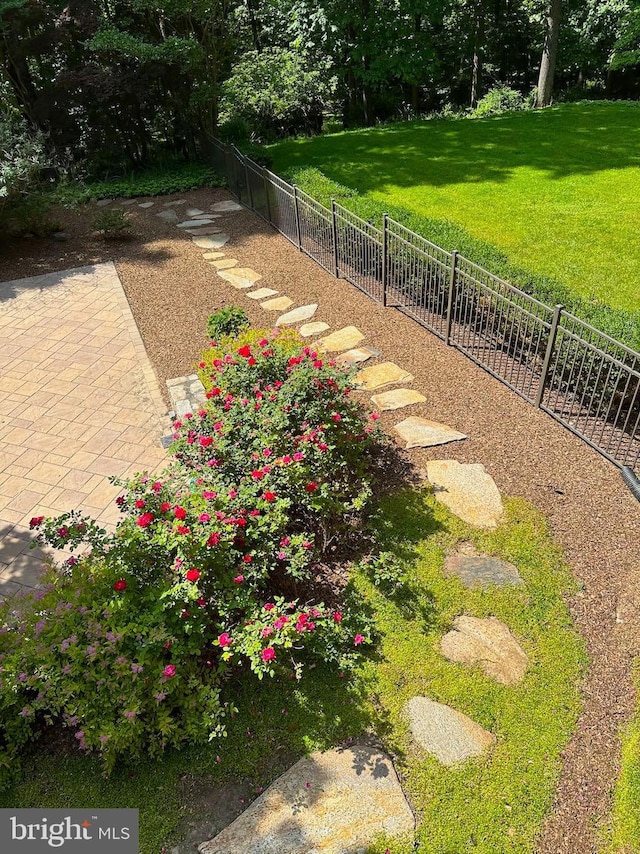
(79, 401)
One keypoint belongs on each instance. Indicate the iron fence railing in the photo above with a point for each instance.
(584, 379)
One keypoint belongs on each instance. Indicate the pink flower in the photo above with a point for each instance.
(337, 616)
(247, 558)
(139, 504)
(374, 416)
(336, 417)
(280, 622)
(204, 517)
(225, 639)
(170, 671)
(157, 486)
(358, 639)
(268, 654)
(298, 457)
(238, 579)
(205, 441)
(209, 495)
(269, 606)
(267, 631)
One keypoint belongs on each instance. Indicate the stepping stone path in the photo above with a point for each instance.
(168, 216)
(226, 206)
(240, 277)
(146, 205)
(194, 212)
(480, 571)
(381, 375)
(174, 203)
(103, 203)
(304, 312)
(192, 223)
(446, 733)
(187, 394)
(397, 399)
(211, 256)
(353, 357)
(262, 293)
(489, 644)
(467, 490)
(225, 263)
(310, 329)
(214, 241)
(337, 801)
(342, 339)
(277, 304)
(421, 433)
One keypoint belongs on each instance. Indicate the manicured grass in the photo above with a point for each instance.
(556, 190)
(491, 805)
(625, 836)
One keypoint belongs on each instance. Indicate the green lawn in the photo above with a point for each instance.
(491, 805)
(555, 190)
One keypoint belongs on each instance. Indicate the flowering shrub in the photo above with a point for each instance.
(209, 566)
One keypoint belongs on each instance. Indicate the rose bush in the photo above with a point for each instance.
(209, 567)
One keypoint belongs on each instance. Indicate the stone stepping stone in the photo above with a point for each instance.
(146, 205)
(397, 398)
(341, 339)
(446, 733)
(128, 203)
(192, 223)
(211, 241)
(211, 256)
(354, 357)
(277, 304)
(168, 216)
(240, 277)
(422, 433)
(303, 312)
(226, 206)
(174, 203)
(489, 644)
(102, 203)
(310, 329)
(262, 293)
(194, 212)
(204, 229)
(337, 801)
(467, 490)
(480, 571)
(380, 375)
(224, 263)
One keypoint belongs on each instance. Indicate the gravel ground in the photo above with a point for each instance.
(172, 290)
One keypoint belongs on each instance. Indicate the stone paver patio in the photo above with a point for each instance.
(79, 401)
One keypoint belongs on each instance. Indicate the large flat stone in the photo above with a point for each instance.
(128, 203)
(168, 216)
(330, 803)
(489, 644)
(145, 205)
(175, 202)
(225, 263)
(422, 433)
(211, 256)
(240, 277)
(397, 398)
(102, 203)
(357, 355)
(226, 206)
(315, 328)
(341, 339)
(446, 733)
(467, 490)
(192, 223)
(303, 312)
(204, 229)
(213, 241)
(194, 212)
(277, 304)
(480, 571)
(381, 375)
(262, 293)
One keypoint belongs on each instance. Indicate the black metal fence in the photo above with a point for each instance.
(584, 379)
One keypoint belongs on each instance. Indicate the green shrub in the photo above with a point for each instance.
(113, 224)
(209, 567)
(227, 322)
(500, 99)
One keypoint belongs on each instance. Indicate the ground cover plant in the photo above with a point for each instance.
(623, 836)
(546, 199)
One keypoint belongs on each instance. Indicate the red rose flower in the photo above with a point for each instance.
(193, 575)
(244, 351)
(180, 513)
(214, 539)
(337, 616)
(238, 579)
(145, 520)
(139, 504)
(169, 671)
(36, 522)
(311, 487)
(120, 584)
(166, 505)
(268, 654)
(205, 441)
(269, 496)
(225, 639)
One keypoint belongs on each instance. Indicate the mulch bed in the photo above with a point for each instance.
(595, 519)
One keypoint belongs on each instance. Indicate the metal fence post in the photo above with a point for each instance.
(551, 343)
(334, 234)
(385, 257)
(266, 193)
(452, 293)
(246, 178)
(297, 210)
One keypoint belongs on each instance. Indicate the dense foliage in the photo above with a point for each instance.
(209, 568)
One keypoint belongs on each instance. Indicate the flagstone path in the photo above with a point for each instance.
(79, 401)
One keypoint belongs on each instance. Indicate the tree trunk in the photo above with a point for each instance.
(476, 71)
(549, 54)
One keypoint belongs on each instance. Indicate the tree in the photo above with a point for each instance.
(549, 54)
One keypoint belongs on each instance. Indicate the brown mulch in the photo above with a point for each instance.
(172, 290)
